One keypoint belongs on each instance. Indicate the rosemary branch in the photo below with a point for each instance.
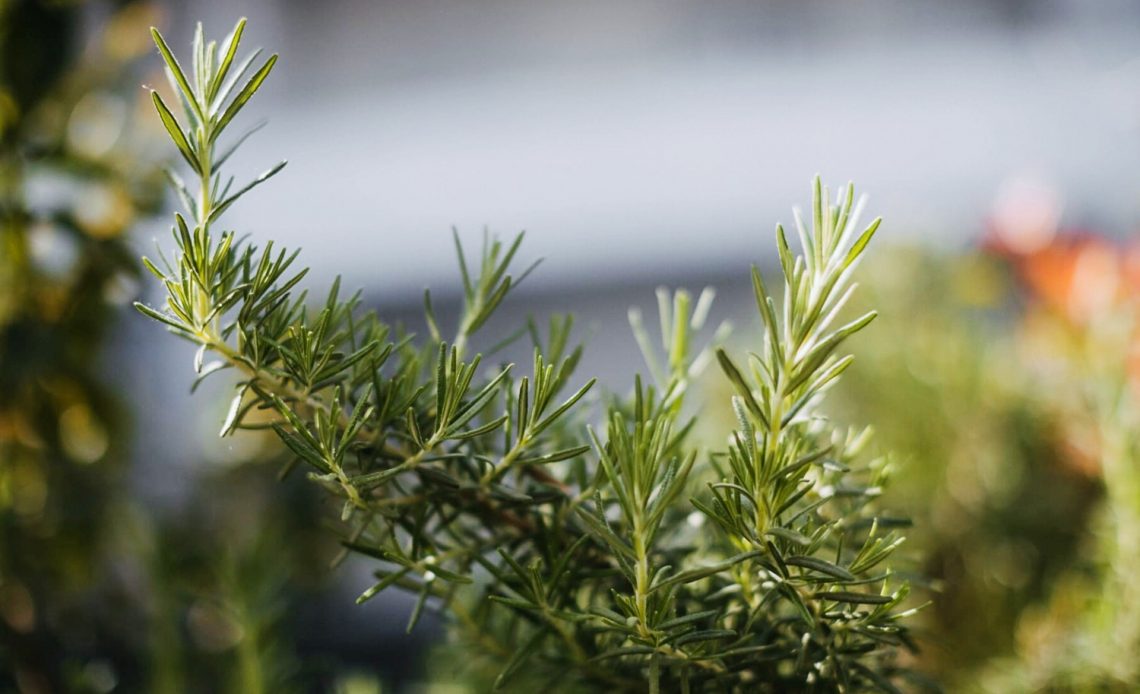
(585, 561)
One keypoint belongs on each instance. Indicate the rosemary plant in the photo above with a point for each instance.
(566, 555)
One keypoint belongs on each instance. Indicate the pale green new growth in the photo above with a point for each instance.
(563, 557)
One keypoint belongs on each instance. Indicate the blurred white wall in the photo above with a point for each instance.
(650, 139)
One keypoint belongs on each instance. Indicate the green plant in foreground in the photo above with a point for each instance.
(564, 557)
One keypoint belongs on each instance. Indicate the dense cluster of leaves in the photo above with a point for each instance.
(564, 553)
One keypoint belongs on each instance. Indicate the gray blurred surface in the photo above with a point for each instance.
(654, 139)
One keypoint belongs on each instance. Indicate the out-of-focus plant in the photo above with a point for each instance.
(1007, 375)
(75, 174)
(1000, 511)
(565, 562)
(95, 593)
(222, 614)
(1078, 339)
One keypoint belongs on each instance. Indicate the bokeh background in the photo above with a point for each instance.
(640, 144)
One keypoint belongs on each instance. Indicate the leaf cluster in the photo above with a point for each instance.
(562, 552)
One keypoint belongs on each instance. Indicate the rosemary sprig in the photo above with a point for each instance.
(479, 492)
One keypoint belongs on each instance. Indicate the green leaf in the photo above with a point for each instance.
(244, 96)
(221, 159)
(413, 428)
(789, 535)
(179, 185)
(232, 419)
(763, 303)
(468, 289)
(861, 244)
(623, 651)
(741, 386)
(387, 581)
(479, 431)
(160, 317)
(229, 50)
(793, 596)
(175, 132)
(706, 571)
(563, 408)
(785, 253)
(823, 567)
(176, 70)
(706, 635)
(418, 609)
(225, 204)
(854, 598)
(519, 658)
(492, 302)
(429, 315)
(475, 405)
(687, 619)
(235, 76)
(556, 456)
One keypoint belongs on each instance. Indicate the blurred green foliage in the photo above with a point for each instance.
(73, 178)
(991, 394)
(998, 515)
(96, 592)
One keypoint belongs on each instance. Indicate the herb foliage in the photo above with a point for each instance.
(568, 554)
